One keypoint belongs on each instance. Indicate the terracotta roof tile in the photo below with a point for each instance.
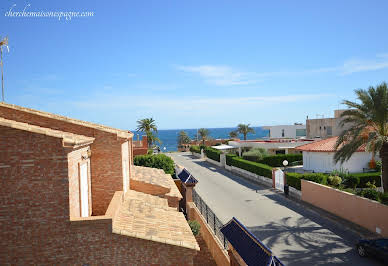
(325, 145)
(149, 217)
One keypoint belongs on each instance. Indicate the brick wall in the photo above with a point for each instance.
(105, 161)
(35, 215)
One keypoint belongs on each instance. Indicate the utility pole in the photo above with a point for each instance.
(3, 42)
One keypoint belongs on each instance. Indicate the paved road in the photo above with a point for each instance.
(294, 232)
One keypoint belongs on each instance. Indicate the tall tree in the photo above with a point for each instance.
(183, 138)
(367, 124)
(245, 129)
(148, 126)
(233, 134)
(203, 134)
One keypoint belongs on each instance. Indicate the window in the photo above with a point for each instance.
(280, 152)
(329, 131)
(282, 132)
(301, 132)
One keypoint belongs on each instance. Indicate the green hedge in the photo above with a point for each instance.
(294, 179)
(195, 149)
(368, 177)
(253, 167)
(160, 161)
(229, 157)
(212, 153)
(277, 160)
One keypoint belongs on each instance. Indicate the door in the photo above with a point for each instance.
(84, 190)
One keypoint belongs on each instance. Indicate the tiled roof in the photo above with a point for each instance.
(120, 133)
(149, 217)
(156, 177)
(326, 145)
(186, 177)
(250, 249)
(68, 138)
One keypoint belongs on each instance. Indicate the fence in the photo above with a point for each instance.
(211, 219)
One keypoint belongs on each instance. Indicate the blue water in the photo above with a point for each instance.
(169, 137)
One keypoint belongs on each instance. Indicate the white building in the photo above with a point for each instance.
(318, 157)
(279, 146)
(286, 131)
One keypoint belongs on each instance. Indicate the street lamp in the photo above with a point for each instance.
(3, 42)
(286, 188)
(285, 163)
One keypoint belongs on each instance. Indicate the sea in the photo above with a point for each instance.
(169, 137)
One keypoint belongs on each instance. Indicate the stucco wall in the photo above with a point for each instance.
(364, 212)
(289, 130)
(324, 162)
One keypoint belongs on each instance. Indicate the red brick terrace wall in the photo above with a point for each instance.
(35, 225)
(106, 164)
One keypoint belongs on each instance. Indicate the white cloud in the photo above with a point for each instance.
(220, 75)
(228, 76)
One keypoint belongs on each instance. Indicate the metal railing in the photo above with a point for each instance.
(211, 219)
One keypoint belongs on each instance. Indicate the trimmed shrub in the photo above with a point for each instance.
(277, 160)
(294, 179)
(253, 167)
(368, 177)
(212, 153)
(195, 227)
(160, 161)
(351, 181)
(150, 152)
(229, 157)
(195, 149)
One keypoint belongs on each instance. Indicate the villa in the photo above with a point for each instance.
(319, 157)
(71, 194)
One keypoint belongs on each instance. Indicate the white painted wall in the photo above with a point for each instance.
(289, 131)
(324, 162)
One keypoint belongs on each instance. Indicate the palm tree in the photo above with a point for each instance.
(245, 129)
(148, 126)
(183, 138)
(367, 123)
(233, 134)
(203, 134)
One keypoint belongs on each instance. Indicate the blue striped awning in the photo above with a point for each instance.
(186, 177)
(250, 249)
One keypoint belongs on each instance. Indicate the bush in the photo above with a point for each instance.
(229, 157)
(212, 153)
(255, 154)
(294, 179)
(383, 198)
(150, 152)
(370, 194)
(194, 148)
(334, 180)
(195, 227)
(368, 177)
(253, 167)
(351, 181)
(349, 190)
(378, 166)
(277, 160)
(160, 161)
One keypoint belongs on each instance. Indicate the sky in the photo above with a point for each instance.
(191, 64)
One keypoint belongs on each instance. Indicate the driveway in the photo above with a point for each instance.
(295, 233)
